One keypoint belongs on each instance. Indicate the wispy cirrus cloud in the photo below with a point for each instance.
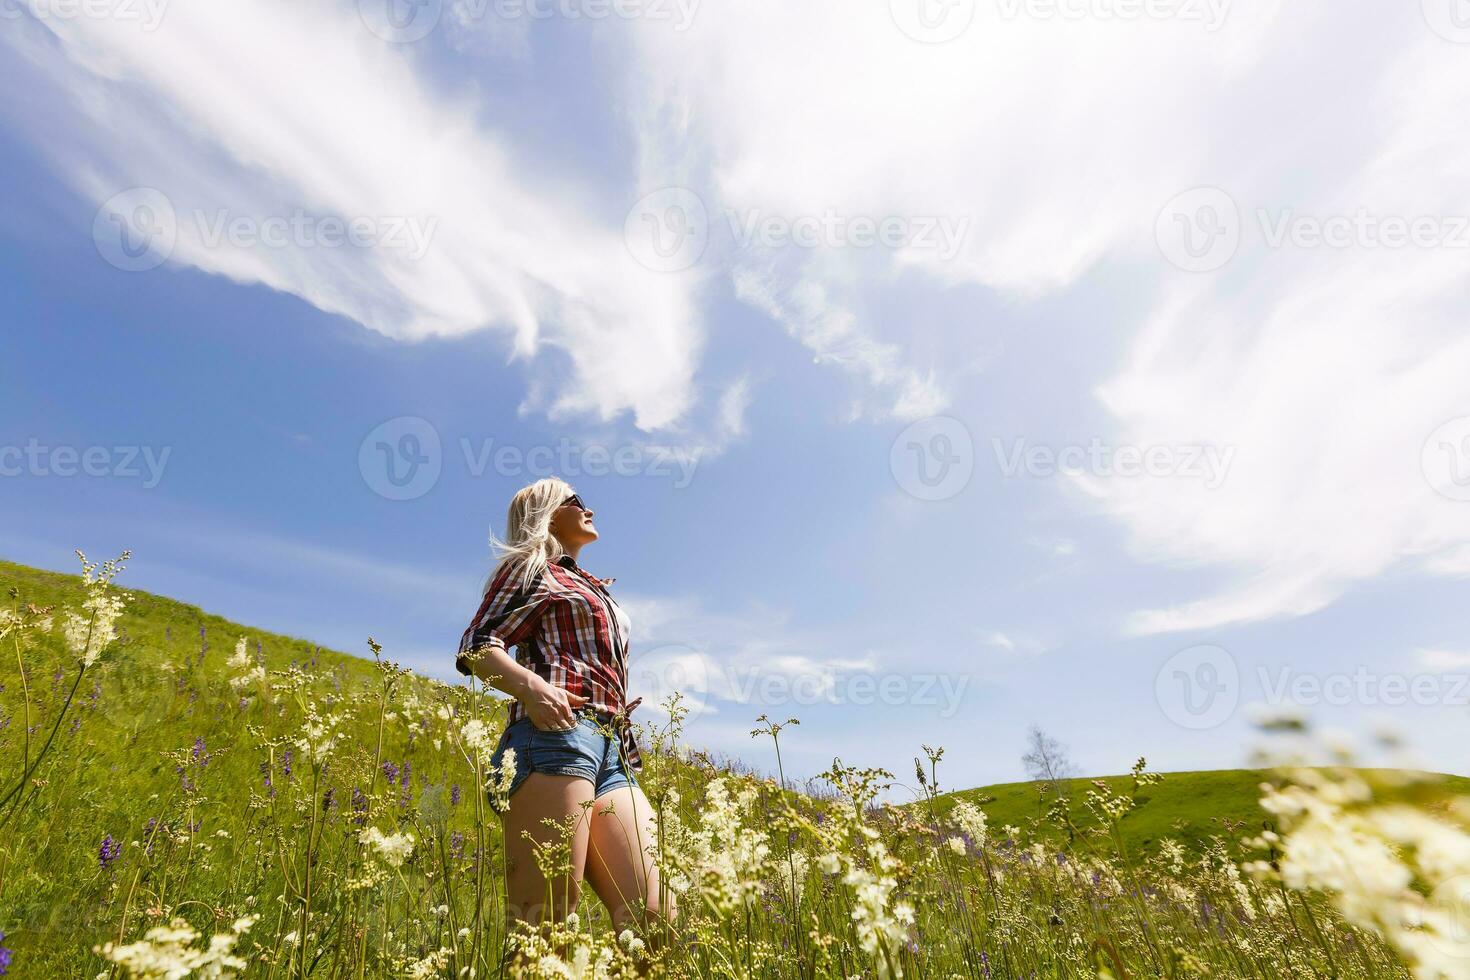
(249, 112)
(1062, 141)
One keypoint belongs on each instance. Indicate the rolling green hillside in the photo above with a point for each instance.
(1189, 807)
(320, 813)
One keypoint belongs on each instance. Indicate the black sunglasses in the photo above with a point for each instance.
(574, 501)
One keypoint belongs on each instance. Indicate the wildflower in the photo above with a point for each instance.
(108, 852)
(318, 737)
(169, 952)
(725, 859)
(430, 966)
(957, 845)
(790, 872)
(90, 632)
(500, 782)
(970, 819)
(5, 957)
(392, 849)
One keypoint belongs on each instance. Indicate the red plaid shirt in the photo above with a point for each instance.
(566, 628)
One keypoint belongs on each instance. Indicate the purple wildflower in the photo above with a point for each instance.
(108, 852)
(359, 806)
(5, 955)
(286, 762)
(454, 795)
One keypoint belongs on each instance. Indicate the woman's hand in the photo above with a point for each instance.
(550, 707)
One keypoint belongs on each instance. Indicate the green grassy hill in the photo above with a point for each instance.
(175, 783)
(1188, 807)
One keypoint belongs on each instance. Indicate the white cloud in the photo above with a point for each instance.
(1328, 372)
(835, 336)
(264, 108)
(1060, 140)
(1444, 659)
(1024, 644)
(753, 659)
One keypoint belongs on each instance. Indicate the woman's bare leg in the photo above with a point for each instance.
(619, 867)
(544, 795)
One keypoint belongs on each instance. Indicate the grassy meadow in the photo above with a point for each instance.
(184, 796)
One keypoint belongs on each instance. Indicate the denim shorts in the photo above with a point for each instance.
(582, 751)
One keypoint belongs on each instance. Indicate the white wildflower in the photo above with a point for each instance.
(392, 849)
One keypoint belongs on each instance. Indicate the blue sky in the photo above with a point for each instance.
(1163, 236)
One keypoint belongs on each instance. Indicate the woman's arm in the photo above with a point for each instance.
(548, 706)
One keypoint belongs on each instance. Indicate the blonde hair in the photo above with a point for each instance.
(528, 541)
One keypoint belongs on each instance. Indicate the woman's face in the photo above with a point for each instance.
(572, 524)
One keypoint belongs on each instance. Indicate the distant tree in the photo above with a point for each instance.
(1047, 762)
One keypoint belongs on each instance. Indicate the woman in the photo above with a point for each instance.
(568, 721)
